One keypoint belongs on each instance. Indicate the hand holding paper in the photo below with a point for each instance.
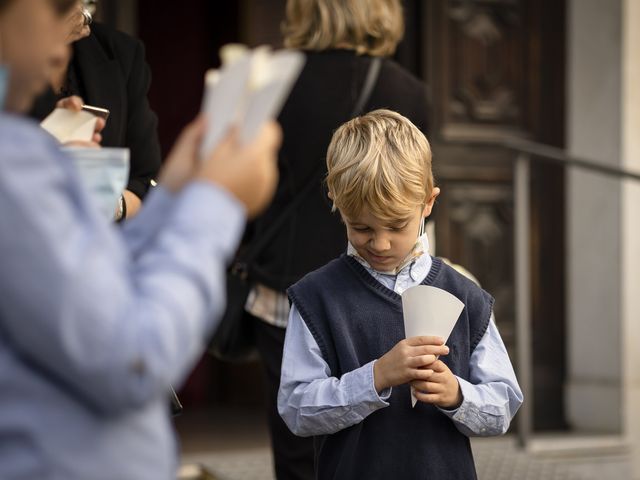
(248, 171)
(429, 311)
(249, 89)
(403, 363)
(69, 126)
(441, 388)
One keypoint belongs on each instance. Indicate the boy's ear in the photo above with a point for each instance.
(329, 194)
(430, 202)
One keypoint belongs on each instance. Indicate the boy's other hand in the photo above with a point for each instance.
(405, 362)
(441, 388)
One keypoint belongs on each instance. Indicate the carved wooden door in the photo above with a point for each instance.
(495, 69)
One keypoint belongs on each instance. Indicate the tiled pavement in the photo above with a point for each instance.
(241, 453)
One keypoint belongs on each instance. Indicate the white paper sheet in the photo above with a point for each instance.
(225, 91)
(68, 126)
(250, 89)
(429, 311)
(266, 101)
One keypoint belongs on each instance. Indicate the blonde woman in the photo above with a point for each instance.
(340, 38)
(107, 69)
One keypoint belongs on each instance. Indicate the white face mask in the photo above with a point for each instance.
(417, 251)
(104, 172)
(421, 230)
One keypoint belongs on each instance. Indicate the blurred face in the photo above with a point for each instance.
(384, 246)
(32, 43)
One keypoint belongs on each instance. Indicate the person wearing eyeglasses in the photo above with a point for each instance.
(107, 69)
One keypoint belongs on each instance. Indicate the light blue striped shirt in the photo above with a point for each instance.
(312, 402)
(95, 321)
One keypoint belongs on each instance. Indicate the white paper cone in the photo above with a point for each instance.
(429, 311)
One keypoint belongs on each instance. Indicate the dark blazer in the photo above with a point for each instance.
(108, 70)
(322, 100)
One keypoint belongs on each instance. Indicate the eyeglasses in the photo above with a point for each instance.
(88, 18)
(89, 10)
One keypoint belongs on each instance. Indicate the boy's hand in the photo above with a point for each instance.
(441, 388)
(404, 362)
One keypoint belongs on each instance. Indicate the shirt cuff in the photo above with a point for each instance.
(477, 417)
(363, 389)
(140, 229)
(361, 396)
(467, 392)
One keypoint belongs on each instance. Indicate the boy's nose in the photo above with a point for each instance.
(380, 244)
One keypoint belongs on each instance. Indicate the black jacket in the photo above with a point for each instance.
(323, 99)
(108, 70)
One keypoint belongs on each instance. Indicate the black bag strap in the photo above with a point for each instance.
(367, 88)
(266, 237)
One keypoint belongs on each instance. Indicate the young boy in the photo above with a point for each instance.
(347, 367)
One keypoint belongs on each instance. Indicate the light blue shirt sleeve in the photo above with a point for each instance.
(311, 401)
(492, 395)
(114, 327)
(140, 231)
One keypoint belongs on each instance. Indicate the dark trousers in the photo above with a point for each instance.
(292, 455)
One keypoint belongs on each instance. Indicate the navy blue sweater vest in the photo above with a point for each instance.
(355, 319)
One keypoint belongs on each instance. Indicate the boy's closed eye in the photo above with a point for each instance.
(398, 227)
(395, 227)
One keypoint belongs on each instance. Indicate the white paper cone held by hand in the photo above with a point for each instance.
(429, 311)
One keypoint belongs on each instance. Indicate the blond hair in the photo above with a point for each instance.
(380, 161)
(374, 27)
